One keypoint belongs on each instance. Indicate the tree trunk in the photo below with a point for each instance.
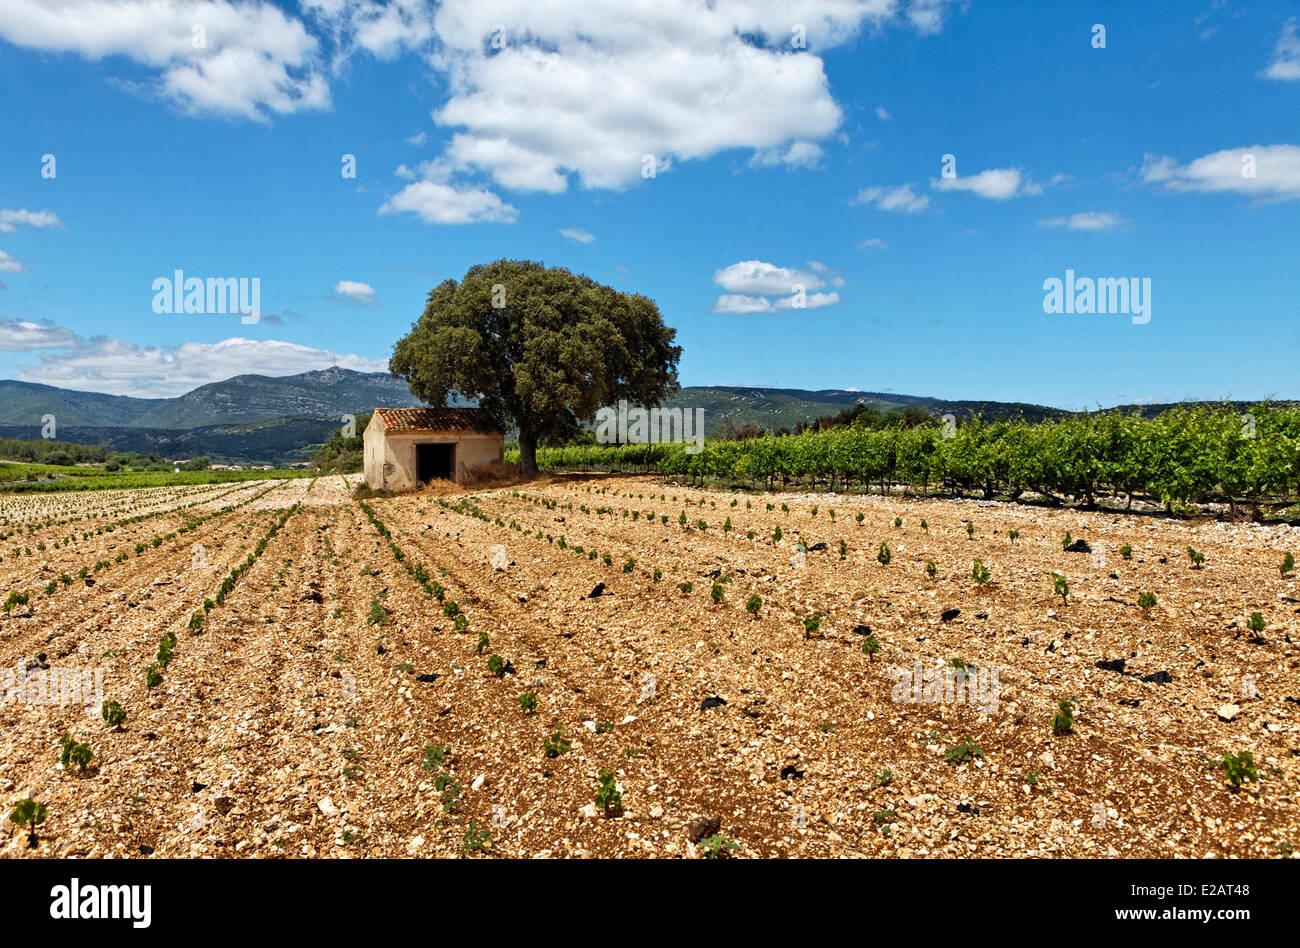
(527, 452)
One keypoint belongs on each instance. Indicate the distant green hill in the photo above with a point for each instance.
(264, 420)
(26, 403)
(277, 441)
(776, 408)
(245, 398)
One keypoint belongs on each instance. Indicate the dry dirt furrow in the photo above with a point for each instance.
(170, 506)
(32, 574)
(720, 750)
(137, 772)
(1166, 768)
(111, 610)
(296, 722)
(1157, 639)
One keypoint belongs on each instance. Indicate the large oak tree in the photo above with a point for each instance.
(539, 347)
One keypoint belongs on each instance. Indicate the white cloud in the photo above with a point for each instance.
(586, 88)
(928, 15)
(875, 242)
(579, 87)
(385, 30)
(996, 184)
(757, 277)
(759, 287)
(810, 301)
(799, 155)
(901, 198)
(1285, 64)
(10, 264)
(405, 173)
(11, 220)
(1086, 220)
(437, 203)
(741, 303)
(255, 59)
(881, 114)
(1276, 172)
(577, 234)
(101, 364)
(20, 334)
(362, 293)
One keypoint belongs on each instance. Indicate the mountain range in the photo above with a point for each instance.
(263, 419)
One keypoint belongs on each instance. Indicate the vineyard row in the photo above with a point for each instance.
(1183, 455)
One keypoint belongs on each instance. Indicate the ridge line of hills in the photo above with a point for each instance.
(280, 420)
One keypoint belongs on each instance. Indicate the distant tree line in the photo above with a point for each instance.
(67, 453)
(864, 416)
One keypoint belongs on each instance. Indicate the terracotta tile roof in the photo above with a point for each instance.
(432, 419)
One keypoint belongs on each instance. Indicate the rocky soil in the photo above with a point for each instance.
(331, 706)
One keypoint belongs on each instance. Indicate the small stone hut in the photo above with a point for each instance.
(406, 447)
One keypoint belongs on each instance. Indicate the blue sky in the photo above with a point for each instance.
(505, 128)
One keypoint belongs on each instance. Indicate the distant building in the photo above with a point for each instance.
(406, 447)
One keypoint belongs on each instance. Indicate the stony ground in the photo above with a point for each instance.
(330, 706)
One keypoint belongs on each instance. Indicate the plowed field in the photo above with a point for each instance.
(331, 703)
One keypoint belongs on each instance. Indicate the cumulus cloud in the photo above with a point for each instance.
(362, 293)
(741, 303)
(809, 301)
(1086, 220)
(383, 29)
(435, 202)
(872, 242)
(737, 303)
(677, 81)
(577, 234)
(882, 114)
(1275, 177)
(997, 184)
(902, 198)
(1285, 64)
(757, 277)
(755, 286)
(102, 364)
(17, 335)
(538, 95)
(11, 220)
(206, 56)
(10, 263)
(599, 90)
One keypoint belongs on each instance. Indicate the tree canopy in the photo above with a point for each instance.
(540, 347)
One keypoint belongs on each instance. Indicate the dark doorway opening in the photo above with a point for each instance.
(435, 461)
